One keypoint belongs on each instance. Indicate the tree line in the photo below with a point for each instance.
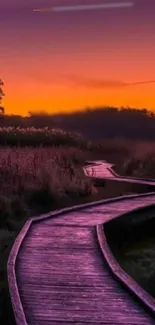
(94, 124)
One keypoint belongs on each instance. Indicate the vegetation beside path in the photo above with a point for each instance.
(41, 170)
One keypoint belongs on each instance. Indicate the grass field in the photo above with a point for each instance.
(138, 260)
(134, 246)
(41, 170)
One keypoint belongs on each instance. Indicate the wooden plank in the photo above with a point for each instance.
(37, 267)
(93, 216)
(37, 233)
(61, 275)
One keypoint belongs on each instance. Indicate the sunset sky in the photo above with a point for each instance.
(63, 60)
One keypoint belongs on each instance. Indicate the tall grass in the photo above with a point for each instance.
(17, 136)
(32, 177)
(141, 162)
(35, 180)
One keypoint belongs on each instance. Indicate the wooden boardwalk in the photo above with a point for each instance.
(56, 270)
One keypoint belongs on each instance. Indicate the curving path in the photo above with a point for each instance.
(57, 272)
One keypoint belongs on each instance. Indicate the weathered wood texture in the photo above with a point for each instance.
(56, 270)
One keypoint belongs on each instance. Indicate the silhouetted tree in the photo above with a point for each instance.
(2, 110)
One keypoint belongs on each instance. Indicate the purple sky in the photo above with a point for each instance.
(97, 47)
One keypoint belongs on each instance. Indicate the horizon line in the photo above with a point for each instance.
(85, 108)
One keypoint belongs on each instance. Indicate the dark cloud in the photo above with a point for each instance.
(102, 83)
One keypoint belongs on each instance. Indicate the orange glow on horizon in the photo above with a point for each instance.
(64, 98)
(56, 64)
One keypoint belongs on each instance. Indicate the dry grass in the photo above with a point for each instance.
(35, 180)
(17, 136)
(141, 162)
(32, 177)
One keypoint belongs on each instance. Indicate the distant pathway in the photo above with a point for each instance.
(56, 270)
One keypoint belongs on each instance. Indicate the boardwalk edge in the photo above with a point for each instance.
(119, 273)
